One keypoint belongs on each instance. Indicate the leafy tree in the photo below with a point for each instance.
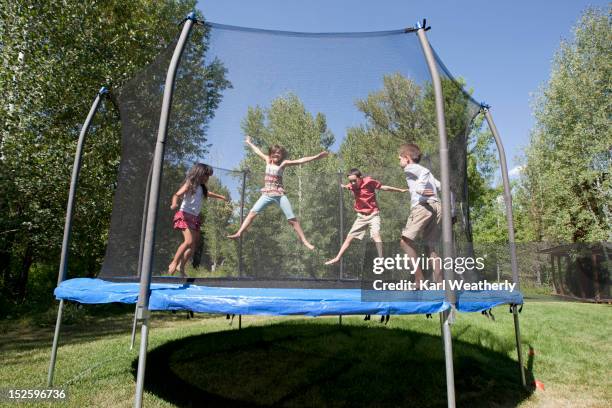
(55, 56)
(566, 183)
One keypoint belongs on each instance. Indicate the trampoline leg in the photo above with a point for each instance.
(142, 361)
(58, 325)
(239, 321)
(134, 327)
(519, 349)
(448, 357)
(340, 320)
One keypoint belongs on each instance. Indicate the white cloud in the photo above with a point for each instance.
(516, 171)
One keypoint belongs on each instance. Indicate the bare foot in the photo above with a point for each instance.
(181, 270)
(308, 245)
(234, 236)
(332, 261)
(172, 268)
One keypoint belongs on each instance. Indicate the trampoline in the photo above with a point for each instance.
(274, 301)
(310, 92)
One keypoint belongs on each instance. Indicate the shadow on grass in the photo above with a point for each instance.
(327, 365)
(79, 325)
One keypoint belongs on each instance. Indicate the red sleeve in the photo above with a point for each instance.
(376, 184)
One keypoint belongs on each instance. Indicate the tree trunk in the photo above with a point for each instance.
(22, 281)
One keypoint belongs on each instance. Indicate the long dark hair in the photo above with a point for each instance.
(195, 175)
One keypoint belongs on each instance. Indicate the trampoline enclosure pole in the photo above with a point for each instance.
(507, 194)
(519, 348)
(134, 328)
(143, 223)
(341, 207)
(58, 324)
(447, 340)
(447, 227)
(149, 242)
(446, 208)
(509, 218)
(240, 243)
(63, 268)
(76, 169)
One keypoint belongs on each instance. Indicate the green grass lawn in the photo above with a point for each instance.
(314, 361)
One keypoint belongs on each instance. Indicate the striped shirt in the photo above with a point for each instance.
(273, 180)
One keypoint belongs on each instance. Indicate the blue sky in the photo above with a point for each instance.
(503, 49)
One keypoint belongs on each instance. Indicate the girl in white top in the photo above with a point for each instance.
(273, 191)
(187, 218)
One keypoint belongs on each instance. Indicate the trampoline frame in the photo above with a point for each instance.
(142, 308)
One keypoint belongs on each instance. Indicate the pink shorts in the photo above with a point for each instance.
(183, 220)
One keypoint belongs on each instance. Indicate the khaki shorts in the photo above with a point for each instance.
(424, 220)
(362, 223)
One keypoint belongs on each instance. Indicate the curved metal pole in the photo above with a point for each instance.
(149, 243)
(240, 240)
(509, 218)
(143, 224)
(507, 193)
(341, 235)
(76, 169)
(63, 268)
(447, 226)
(447, 232)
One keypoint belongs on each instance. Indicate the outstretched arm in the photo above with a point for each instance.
(217, 196)
(179, 194)
(393, 189)
(305, 159)
(256, 149)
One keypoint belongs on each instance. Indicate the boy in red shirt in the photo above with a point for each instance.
(364, 190)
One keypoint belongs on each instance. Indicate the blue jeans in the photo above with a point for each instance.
(266, 200)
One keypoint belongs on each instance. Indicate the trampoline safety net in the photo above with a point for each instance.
(358, 96)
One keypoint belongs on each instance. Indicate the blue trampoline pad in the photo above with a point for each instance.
(266, 301)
